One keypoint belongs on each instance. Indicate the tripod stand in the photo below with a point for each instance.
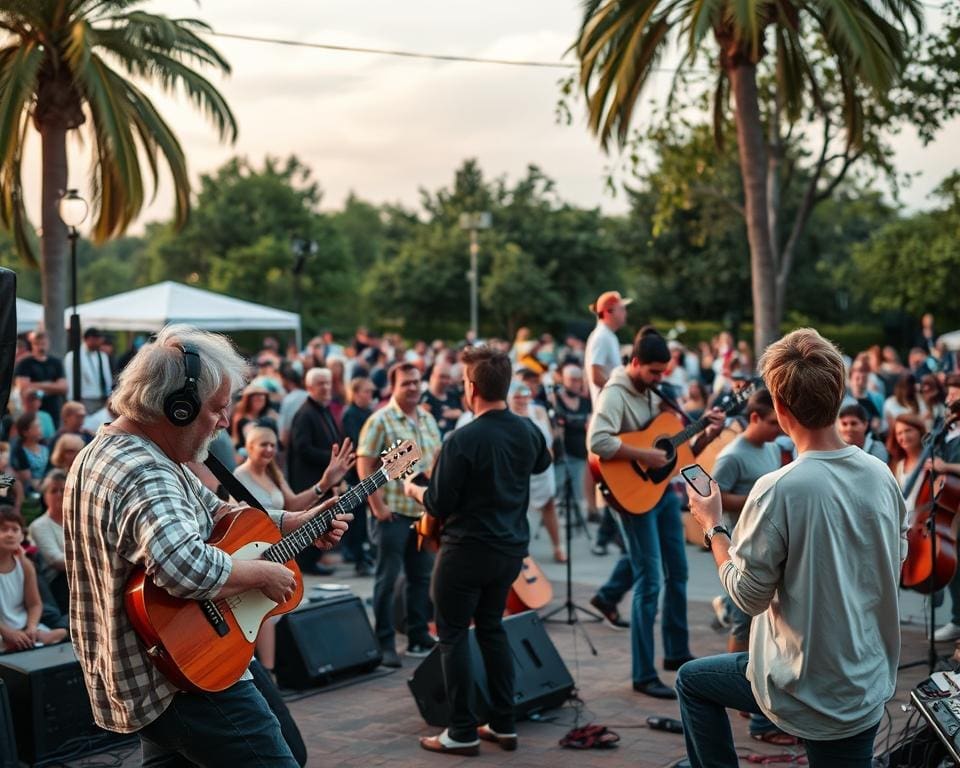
(570, 500)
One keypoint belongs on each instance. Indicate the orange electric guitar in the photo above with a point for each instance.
(632, 487)
(206, 645)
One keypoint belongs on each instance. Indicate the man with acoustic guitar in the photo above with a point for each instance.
(479, 491)
(628, 402)
(131, 502)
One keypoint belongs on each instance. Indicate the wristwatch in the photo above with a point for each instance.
(708, 535)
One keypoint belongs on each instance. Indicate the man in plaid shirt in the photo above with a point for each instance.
(393, 514)
(131, 501)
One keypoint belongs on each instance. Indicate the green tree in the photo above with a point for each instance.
(64, 61)
(910, 265)
(621, 42)
(516, 291)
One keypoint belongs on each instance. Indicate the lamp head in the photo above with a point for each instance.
(73, 209)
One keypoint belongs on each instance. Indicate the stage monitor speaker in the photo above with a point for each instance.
(8, 333)
(51, 712)
(324, 642)
(542, 680)
(8, 742)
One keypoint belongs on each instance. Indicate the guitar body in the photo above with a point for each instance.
(629, 486)
(707, 458)
(530, 591)
(428, 529)
(195, 650)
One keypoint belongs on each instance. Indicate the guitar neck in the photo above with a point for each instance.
(296, 541)
(691, 430)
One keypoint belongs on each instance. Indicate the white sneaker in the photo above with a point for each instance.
(948, 631)
(721, 618)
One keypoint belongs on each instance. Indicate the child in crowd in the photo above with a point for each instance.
(20, 605)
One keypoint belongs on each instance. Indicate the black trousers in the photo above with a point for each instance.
(471, 583)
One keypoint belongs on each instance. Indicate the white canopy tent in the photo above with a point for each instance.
(150, 308)
(29, 315)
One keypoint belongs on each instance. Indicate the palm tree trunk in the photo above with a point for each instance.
(753, 169)
(53, 250)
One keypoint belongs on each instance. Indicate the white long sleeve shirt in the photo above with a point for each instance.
(816, 559)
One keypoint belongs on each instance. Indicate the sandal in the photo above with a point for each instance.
(775, 736)
(590, 736)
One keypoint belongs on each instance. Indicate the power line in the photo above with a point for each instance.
(405, 54)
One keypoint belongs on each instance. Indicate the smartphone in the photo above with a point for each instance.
(697, 478)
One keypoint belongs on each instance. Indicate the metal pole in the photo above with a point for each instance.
(474, 248)
(74, 318)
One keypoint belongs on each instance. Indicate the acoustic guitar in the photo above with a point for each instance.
(206, 645)
(530, 591)
(630, 486)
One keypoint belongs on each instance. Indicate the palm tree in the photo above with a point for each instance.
(70, 65)
(621, 42)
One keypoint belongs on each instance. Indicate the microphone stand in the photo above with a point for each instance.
(570, 501)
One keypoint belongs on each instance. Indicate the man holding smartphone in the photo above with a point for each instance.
(816, 559)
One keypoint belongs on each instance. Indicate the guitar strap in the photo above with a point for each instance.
(672, 404)
(234, 487)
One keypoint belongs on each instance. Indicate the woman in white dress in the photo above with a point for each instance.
(543, 486)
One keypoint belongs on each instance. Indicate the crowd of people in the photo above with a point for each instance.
(310, 422)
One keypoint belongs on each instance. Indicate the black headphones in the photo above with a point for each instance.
(182, 406)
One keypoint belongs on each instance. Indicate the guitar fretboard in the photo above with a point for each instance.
(297, 541)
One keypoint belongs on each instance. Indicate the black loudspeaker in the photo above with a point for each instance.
(8, 333)
(542, 679)
(51, 712)
(324, 642)
(8, 742)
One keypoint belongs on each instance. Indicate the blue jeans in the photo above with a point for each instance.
(657, 561)
(706, 687)
(397, 549)
(231, 728)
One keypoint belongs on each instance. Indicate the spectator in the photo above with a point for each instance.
(858, 392)
(853, 424)
(33, 404)
(903, 399)
(932, 398)
(905, 445)
(391, 532)
(20, 604)
(40, 372)
(440, 399)
(29, 458)
(96, 378)
(253, 408)
(543, 485)
(355, 415)
(572, 407)
(295, 396)
(65, 451)
(47, 533)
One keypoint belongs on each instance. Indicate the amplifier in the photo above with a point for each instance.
(51, 712)
(938, 699)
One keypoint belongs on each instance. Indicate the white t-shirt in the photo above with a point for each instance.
(816, 559)
(603, 349)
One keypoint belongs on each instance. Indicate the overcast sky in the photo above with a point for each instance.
(384, 126)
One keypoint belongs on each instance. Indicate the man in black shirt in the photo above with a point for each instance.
(40, 372)
(441, 400)
(480, 490)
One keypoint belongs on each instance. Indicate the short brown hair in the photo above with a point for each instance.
(804, 371)
(490, 372)
(397, 368)
(759, 403)
(953, 380)
(9, 515)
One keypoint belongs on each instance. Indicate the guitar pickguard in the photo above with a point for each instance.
(249, 608)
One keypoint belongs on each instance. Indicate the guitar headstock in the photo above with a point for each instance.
(399, 458)
(731, 403)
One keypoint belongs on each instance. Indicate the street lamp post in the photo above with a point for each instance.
(473, 221)
(73, 212)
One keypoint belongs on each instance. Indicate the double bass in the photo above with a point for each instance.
(930, 565)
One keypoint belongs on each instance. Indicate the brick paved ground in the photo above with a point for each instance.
(376, 722)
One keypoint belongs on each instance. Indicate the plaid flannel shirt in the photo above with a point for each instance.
(136, 507)
(389, 425)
